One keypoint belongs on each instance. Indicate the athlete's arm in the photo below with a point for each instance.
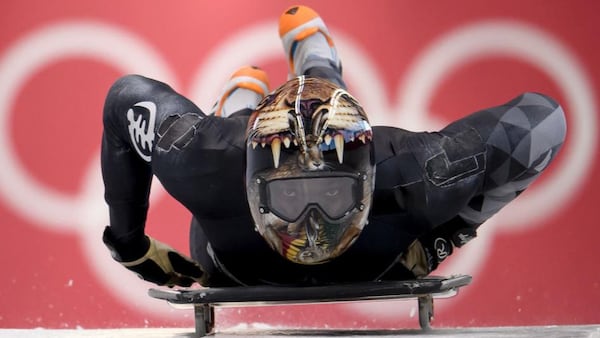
(127, 177)
(478, 164)
(132, 109)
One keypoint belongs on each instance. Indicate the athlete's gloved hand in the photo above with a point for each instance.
(160, 264)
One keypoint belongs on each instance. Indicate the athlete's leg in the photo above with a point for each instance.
(244, 90)
(308, 45)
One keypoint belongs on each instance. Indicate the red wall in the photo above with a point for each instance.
(414, 64)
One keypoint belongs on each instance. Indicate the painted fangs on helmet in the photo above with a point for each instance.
(274, 141)
(338, 139)
(334, 114)
(276, 151)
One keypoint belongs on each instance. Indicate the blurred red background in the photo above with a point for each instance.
(413, 64)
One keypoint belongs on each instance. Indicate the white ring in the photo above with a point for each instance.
(20, 189)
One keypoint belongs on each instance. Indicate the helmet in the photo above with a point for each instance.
(310, 170)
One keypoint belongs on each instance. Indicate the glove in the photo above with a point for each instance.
(426, 253)
(416, 259)
(161, 264)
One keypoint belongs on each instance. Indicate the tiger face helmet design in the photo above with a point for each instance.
(310, 170)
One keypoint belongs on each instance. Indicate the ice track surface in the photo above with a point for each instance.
(516, 332)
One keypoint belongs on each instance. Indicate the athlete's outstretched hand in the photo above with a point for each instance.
(160, 264)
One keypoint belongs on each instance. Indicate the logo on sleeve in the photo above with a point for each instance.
(141, 128)
(442, 249)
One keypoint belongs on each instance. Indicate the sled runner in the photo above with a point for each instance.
(205, 299)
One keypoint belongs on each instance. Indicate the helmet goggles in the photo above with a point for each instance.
(335, 195)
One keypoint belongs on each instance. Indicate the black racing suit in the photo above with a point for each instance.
(429, 185)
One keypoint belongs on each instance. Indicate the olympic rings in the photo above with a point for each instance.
(53, 209)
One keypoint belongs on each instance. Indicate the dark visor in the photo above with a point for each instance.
(335, 196)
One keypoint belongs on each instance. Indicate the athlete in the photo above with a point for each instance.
(296, 187)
